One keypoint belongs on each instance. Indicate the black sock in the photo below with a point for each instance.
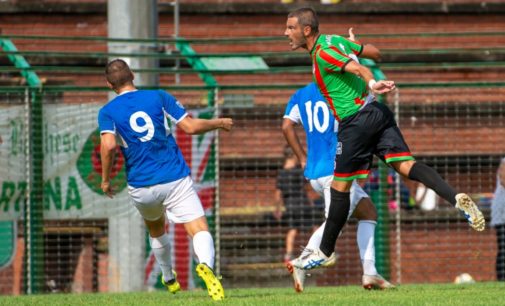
(337, 216)
(430, 178)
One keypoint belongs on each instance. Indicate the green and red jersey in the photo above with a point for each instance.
(344, 92)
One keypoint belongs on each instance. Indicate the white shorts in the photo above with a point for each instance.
(322, 186)
(177, 199)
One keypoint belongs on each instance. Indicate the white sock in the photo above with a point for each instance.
(314, 241)
(366, 245)
(161, 249)
(203, 245)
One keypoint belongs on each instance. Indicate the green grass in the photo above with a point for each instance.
(433, 294)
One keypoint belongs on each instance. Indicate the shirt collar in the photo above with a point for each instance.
(315, 43)
(126, 91)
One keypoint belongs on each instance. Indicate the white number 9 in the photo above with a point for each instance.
(148, 125)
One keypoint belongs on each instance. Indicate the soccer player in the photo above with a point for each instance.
(308, 108)
(158, 177)
(366, 128)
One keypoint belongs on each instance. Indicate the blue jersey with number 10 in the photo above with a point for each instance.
(139, 121)
(308, 107)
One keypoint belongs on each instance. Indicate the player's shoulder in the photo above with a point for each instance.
(307, 91)
(109, 105)
(328, 40)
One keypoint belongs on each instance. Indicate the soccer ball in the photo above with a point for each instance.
(464, 278)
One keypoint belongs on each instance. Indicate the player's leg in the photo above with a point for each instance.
(203, 245)
(357, 137)
(352, 161)
(367, 219)
(337, 215)
(322, 187)
(400, 159)
(150, 206)
(185, 207)
(366, 214)
(290, 243)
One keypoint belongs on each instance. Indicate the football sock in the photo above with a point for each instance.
(337, 216)
(314, 241)
(203, 245)
(366, 245)
(161, 249)
(430, 178)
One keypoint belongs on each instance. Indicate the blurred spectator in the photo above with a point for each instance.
(498, 220)
(292, 195)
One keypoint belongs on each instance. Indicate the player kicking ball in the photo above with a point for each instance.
(308, 108)
(158, 177)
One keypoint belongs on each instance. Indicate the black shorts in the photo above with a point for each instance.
(371, 131)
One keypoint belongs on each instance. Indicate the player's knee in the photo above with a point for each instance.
(197, 225)
(403, 167)
(365, 210)
(156, 227)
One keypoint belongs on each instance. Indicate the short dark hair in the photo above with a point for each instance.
(307, 16)
(118, 73)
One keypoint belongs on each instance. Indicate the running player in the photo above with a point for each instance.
(366, 128)
(158, 177)
(308, 108)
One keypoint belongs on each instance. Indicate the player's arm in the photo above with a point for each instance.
(333, 61)
(278, 204)
(107, 151)
(371, 52)
(378, 87)
(501, 173)
(368, 50)
(198, 126)
(288, 129)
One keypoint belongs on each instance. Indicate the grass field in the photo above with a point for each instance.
(490, 293)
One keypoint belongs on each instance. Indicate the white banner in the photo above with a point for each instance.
(71, 164)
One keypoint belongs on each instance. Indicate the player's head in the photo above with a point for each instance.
(301, 24)
(118, 74)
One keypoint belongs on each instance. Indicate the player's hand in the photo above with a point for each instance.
(381, 87)
(225, 123)
(303, 163)
(107, 189)
(351, 35)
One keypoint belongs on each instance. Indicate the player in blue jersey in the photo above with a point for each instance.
(157, 174)
(308, 108)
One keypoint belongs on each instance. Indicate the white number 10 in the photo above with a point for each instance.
(313, 118)
(148, 126)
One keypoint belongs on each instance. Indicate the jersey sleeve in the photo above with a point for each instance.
(172, 107)
(105, 122)
(346, 45)
(292, 111)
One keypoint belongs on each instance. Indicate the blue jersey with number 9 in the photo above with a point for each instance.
(308, 107)
(139, 121)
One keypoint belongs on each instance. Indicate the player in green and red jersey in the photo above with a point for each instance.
(366, 128)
